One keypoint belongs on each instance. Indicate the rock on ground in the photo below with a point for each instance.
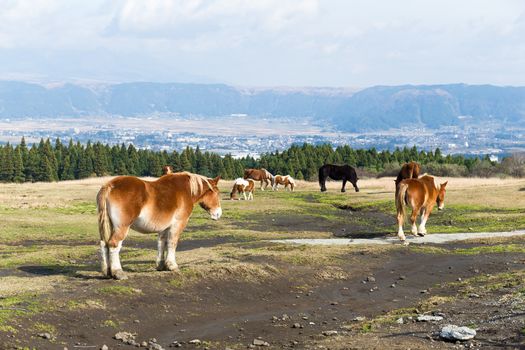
(453, 332)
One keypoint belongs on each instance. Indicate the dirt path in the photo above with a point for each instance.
(233, 312)
(436, 238)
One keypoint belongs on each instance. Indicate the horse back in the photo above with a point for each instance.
(420, 190)
(339, 172)
(162, 197)
(256, 174)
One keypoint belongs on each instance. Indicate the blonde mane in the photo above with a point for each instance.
(197, 183)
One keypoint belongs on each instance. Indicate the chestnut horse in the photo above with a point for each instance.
(242, 186)
(166, 169)
(163, 206)
(284, 180)
(262, 175)
(408, 171)
(420, 194)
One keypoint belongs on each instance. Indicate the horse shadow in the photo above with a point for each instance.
(85, 271)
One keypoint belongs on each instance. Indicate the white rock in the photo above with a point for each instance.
(329, 333)
(429, 318)
(400, 320)
(453, 332)
(259, 342)
(195, 341)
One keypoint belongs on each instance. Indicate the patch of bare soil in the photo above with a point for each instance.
(350, 222)
(290, 306)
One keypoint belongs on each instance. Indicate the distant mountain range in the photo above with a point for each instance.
(379, 107)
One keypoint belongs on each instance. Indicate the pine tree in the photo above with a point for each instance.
(18, 166)
(185, 162)
(68, 172)
(6, 163)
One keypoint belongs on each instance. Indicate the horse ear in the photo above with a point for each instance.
(216, 180)
(444, 184)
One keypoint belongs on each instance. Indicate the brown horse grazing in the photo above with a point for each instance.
(285, 180)
(166, 169)
(262, 175)
(163, 206)
(242, 186)
(421, 194)
(408, 171)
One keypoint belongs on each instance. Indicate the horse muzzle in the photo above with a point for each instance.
(441, 207)
(216, 214)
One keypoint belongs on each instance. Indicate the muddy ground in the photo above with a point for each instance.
(229, 312)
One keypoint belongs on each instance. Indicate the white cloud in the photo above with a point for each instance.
(268, 42)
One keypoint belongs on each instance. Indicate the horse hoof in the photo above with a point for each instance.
(421, 234)
(172, 267)
(343, 191)
(161, 267)
(120, 275)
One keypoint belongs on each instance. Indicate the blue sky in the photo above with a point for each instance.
(265, 42)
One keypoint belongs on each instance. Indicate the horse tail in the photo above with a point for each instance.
(105, 227)
(270, 176)
(400, 198)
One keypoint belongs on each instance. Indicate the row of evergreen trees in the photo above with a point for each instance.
(53, 161)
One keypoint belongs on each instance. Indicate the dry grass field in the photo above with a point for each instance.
(234, 286)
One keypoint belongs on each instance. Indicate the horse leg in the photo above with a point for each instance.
(161, 249)
(244, 194)
(173, 239)
(104, 259)
(115, 244)
(322, 181)
(421, 231)
(262, 189)
(424, 218)
(413, 219)
(250, 195)
(344, 184)
(400, 220)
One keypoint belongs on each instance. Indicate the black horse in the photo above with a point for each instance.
(337, 172)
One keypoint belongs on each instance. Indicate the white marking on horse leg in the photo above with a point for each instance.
(401, 234)
(104, 258)
(414, 228)
(161, 249)
(250, 196)
(171, 262)
(114, 262)
(244, 195)
(422, 229)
